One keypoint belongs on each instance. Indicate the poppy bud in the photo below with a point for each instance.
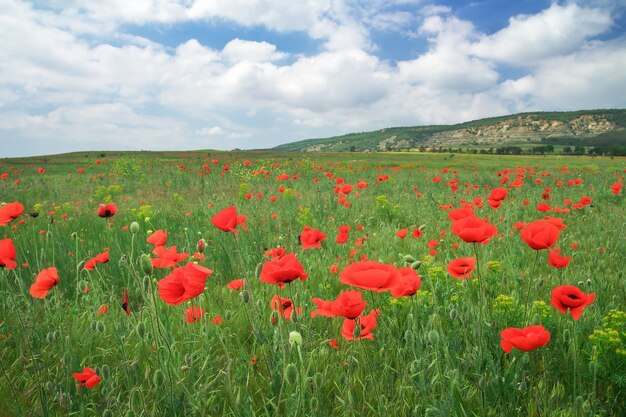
(146, 283)
(228, 314)
(141, 329)
(314, 403)
(80, 266)
(201, 245)
(123, 262)
(94, 325)
(566, 335)
(588, 281)
(245, 296)
(408, 335)
(100, 327)
(56, 335)
(295, 338)
(318, 380)
(408, 259)
(291, 374)
(416, 265)
(593, 367)
(74, 235)
(107, 413)
(146, 264)
(158, 378)
(433, 336)
(274, 317)
(106, 372)
(454, 314)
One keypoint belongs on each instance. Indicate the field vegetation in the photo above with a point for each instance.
(280, 284)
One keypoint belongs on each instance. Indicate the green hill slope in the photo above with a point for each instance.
(577, 128)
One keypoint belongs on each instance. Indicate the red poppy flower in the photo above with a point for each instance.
(616, 188)
(235, 284)
(570, 297)
(103, 309)
(342, 238)
(227, 220)
(461, 213)
(461, 267)
(543, 207)
(184, 283)
(408, 285)
(497, 194)
(311, 238)
(540, 234)
(348, 304)
(366, 323)
(88, 378)
(7, 254)
(525, 339)
(158, 238)
(193, 314)
(125, 306)
(9, 212)
(107, 210)
(283, 270)
(167, 258)
(45, 281)
(471, 229)
(284, 306)
(101, 258)
(275, 253)
(417, 233)
(557, 260)
(371, 275)
(402, 233)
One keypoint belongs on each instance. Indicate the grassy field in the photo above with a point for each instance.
(437, 352)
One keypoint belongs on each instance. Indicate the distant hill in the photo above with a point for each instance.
(589, 128)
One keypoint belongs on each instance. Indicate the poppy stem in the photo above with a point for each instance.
(532, 273)
(44, 406)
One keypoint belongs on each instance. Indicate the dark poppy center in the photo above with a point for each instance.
(572, 296)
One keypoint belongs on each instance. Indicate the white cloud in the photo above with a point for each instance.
(557, 30)
(63, 83)
(589, 78)
(242, 50)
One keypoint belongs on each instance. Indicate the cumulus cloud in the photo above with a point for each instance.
(63, 83)
(557, 30)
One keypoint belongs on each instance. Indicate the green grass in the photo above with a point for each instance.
(435, 353)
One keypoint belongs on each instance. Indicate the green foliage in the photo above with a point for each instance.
(434, 353)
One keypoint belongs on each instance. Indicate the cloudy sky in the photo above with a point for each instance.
(223, 74)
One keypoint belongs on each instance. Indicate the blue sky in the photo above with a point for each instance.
(223, 74)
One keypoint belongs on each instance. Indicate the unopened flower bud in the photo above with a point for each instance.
(409, 259)
(134, 227)
(295, 338)
(201, 245)
(146, 264)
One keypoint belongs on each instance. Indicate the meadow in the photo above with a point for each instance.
(202, 283)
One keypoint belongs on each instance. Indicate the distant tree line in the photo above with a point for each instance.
(613, 150)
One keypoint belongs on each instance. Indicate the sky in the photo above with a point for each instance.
(78, 75)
